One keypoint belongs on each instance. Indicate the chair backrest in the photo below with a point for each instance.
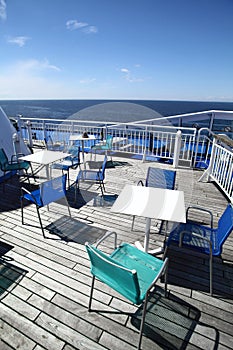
(225, 226)
(161, 178)
(109, 140)
(74, 152)
(3, 157)
(101, 172)
(53, 190)
(114, 274)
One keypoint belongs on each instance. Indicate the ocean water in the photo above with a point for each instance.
(109, 110)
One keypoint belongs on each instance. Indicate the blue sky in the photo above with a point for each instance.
(116, 49)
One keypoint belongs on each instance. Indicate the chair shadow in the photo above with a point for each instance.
(72, 230)
(195, 276)
(170, 322)
(10, 275)
(83, 197)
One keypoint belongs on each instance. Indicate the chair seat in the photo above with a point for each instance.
(35, 197)
(90, 175)
(196, 243)
(147, 266)
(17, 166)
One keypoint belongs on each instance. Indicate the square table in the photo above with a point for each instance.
(45, 158)
(151, 203)
(82, 138)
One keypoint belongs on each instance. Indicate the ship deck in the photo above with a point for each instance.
(45, 282)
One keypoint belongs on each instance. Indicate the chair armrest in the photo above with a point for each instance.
(161, 272)
(196, 235)
(201, 209)
(14, 157)
(23, 189)
(107, 234)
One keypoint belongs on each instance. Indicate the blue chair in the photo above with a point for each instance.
(204, 239)
(129, 271)
(97, 176)
(13, 165)
(70, 162)
(48, 192)
(159, 178)
(104, 145)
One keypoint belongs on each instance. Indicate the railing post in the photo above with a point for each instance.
(44, 131)
(30, 143)
(146, 137)
(177, 149)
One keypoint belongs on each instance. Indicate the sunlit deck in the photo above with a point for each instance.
(45, 283)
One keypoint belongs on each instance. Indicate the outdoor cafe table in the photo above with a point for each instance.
(45, 158)
(151, 203)
(82, 138)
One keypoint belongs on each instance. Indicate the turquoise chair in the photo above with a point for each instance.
(104, 146)
(129, 271)
(48, 192)
(204, 239)
(13, 165)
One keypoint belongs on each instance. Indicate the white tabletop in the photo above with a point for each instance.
(45, 157)
(81, 138)
(150, 202)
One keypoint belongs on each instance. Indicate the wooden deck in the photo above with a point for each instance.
(45, 283)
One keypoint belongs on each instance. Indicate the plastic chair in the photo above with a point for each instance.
(14, 165)
(48, 192)
(129, 271)
(71, 162)
(104, 146)
(204, 239)
(159, 178)
(97, 176)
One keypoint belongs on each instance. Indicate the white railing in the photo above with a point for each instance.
(220, 167)
(151, 142)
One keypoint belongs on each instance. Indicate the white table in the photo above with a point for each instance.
(151, 203)
(82, 139)
(45, 158)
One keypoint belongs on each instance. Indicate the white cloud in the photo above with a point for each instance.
(90, 30)
(124, 70)
(2, 9)
(129, 77)
(18, 40)
(31, 79)
(73, 24)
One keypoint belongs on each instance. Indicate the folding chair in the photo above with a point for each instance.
(129, 271)
(48, 192)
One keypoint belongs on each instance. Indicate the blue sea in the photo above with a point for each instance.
(63, 109)
(107, 110)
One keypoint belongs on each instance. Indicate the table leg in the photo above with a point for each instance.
(84, 164)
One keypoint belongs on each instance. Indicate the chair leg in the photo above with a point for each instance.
(143, 320)
(91, 293)
(41, 225)
(211, 273)
(132, 222)
(22, 211)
